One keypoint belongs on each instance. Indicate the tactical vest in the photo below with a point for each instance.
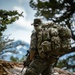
(52, 39)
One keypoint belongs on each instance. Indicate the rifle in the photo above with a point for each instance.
(27, 61)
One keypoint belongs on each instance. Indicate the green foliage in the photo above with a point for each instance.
(50, 8)
(14, 59)
(23, 58)
(58, 11)
(7, 17)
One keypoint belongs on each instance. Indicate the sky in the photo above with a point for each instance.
(20, 29)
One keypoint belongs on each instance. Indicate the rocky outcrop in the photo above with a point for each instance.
(8, 68)
(15, 68)
(58, 71)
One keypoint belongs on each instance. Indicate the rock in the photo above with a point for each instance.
(58, 71)
(15, 68)
(6, 67)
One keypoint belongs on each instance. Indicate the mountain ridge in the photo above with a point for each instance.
(19, 46)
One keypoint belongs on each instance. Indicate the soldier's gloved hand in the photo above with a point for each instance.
(26, 63)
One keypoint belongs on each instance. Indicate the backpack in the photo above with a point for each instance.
(52, 38)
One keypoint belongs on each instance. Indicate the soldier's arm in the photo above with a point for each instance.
(32, 54)
(33, 45)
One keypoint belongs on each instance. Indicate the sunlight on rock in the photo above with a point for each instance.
(16, 68)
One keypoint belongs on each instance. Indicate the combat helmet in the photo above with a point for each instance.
(37, 22)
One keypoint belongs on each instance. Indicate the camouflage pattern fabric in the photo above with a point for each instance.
(51, 38)
(64, 32)
(50, 42)
(38, 66)
(55, 42)
(65, 46)
(33, 42)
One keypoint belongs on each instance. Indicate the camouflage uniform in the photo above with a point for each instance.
(38, 64)
(48, 46)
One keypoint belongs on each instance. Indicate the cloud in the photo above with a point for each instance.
(20, 52)
(23, 22)
(20, 29)
(21, 1)
(21, 35)
(20, 10)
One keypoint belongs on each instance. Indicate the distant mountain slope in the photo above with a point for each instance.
(20, 46)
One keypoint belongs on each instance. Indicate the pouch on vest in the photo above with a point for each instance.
(55, 42)
(65, 44)
(65, 32)
(46, 46)
(54, 31)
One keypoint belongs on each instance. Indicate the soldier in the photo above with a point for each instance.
(45, 47)
(39, 63)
